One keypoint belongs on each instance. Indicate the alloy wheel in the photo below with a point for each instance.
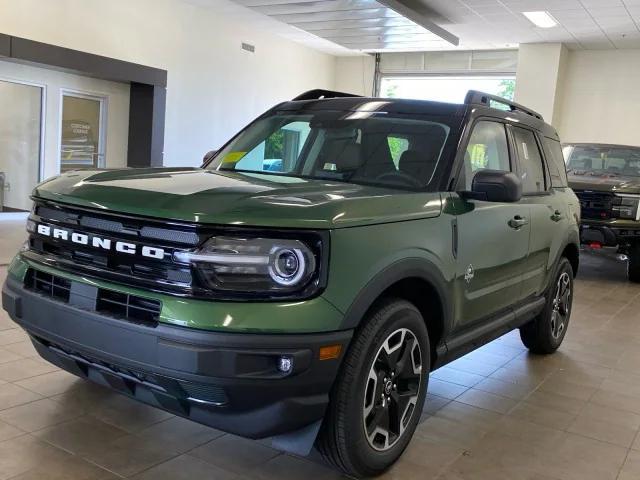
(392, 389)
(561, 305)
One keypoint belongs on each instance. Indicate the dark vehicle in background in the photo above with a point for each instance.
(606, 179)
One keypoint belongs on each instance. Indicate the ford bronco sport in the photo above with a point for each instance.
(606, 179)
(303, 283)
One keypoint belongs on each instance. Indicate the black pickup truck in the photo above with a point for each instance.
(606, 179)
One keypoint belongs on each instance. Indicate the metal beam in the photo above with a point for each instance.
(412, 11)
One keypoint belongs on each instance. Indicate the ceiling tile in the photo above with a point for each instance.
(368, 25)
(634, 10)
(499, 17)
(607, 11)
(480, 3)
(562, 15)
(601, 3)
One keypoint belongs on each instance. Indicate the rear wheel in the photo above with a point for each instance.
(546, 332)
(633, 263)
(378, 397)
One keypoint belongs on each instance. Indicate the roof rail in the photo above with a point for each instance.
(474, 97)
(317, 94)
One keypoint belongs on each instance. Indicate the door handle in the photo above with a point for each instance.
(518, 222)
(557, 216)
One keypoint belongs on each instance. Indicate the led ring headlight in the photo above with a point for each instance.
(287, 266)
(252, 265)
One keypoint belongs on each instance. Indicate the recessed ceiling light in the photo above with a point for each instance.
(541, 19)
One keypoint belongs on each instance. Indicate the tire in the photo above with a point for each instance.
(633, 264)
(544, 334)
(395, 326)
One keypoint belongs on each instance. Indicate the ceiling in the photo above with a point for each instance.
(361, 25)
(583, 24)
(369, 25)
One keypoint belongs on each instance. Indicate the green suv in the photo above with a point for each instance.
(303, 283)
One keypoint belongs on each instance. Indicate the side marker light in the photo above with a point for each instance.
(330, 352)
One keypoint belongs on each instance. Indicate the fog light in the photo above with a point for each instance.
(285, 364)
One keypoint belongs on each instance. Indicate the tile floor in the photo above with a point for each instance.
(497, 413)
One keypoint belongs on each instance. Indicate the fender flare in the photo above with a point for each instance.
(573, 238)
(400, 270)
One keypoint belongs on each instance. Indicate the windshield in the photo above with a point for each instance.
(360, 147)
(603, 160)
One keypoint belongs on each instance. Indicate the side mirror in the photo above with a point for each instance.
(495, 186)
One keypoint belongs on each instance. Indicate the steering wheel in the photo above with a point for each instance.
(400, 175)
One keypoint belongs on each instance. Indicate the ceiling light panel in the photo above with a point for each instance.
(367, 25)
(541, 19)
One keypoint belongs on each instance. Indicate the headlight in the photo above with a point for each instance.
(626, 206)
(254, 265)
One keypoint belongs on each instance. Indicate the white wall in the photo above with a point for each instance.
(54, 82)
(355, 75)
(600, 99)
(588, 95)
(214, 87)
(539, 76)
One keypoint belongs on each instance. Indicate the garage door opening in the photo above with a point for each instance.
(445, 88)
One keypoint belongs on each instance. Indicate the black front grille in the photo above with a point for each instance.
(123, 225)
(48, 285)
(130, 307)
(114, 304)
(595, 205)
(96, 260)
(203, 392)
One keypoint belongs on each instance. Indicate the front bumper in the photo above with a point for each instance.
(609, 234)
(229, 381)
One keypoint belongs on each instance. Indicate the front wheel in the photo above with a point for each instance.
(378, 397)
(545, 333)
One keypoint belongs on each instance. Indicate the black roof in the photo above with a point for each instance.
(373, 104)
(479, 102)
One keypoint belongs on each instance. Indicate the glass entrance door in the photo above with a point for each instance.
(82, 136)
(20, 143)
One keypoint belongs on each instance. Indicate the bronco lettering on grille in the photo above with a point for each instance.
(99, 242)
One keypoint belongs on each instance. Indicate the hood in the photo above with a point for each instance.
(234, 198)
(604, 183)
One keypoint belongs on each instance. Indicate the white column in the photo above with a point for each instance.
(539, 78)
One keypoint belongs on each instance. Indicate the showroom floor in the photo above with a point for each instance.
(498, 413)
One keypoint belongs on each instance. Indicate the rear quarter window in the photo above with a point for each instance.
(556, 162)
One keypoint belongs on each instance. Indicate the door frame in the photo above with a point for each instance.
(103, 98)
(43, 117)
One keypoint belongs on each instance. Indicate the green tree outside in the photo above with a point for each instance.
(507, 88)
(392, 91)
(274, 146)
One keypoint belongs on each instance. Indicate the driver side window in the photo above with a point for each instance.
(487, 149)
